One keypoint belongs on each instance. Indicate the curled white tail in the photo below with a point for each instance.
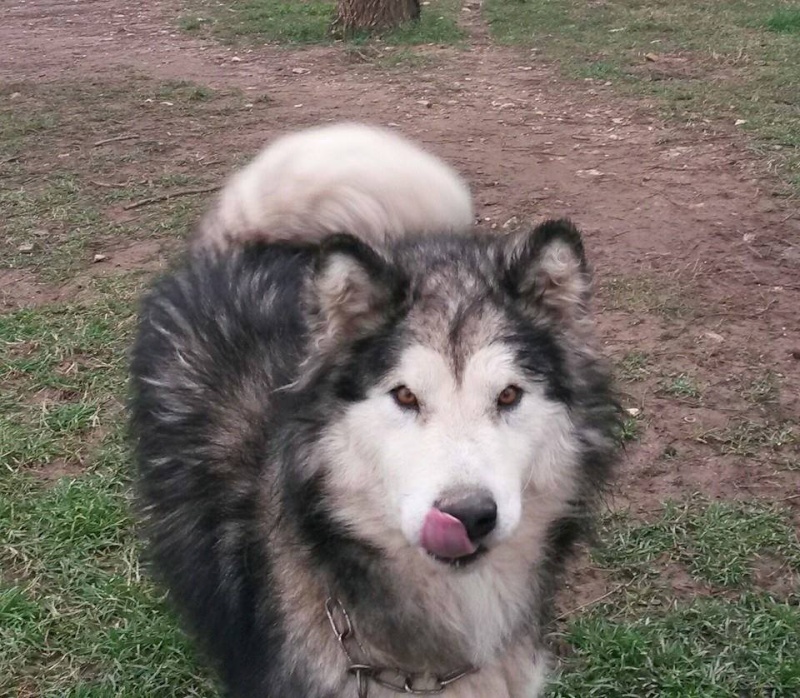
(343, 178)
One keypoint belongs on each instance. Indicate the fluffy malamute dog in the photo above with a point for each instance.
(368, 436)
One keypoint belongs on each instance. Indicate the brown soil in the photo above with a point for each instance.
(20, 289)
(686, 215)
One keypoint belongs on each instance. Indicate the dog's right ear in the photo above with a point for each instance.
(352, 290)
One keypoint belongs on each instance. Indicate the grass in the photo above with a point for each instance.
(62, 368)
(763, 388)
(309, 22)
(680, 386)
(76, 617)
(655, 640)
(717, 543)
(747, 438)
(274, 21)
(712, 648)
(703, 62)
(645, 294)
(785, 20)
(630, 430)
(634, 366)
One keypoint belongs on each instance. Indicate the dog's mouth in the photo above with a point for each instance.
(445, 539)
(462, 561)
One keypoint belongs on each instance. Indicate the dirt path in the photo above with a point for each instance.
(700, 265)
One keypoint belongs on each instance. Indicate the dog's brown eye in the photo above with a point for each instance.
(509, 397)
(405, 398)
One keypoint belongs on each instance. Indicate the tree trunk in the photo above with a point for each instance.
(358, 15)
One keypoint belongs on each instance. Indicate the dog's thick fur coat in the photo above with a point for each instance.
(276, 470)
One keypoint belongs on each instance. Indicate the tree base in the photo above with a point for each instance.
(373, 15)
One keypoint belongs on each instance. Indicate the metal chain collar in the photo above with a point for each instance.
(394, 679)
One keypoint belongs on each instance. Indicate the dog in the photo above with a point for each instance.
(367, 435)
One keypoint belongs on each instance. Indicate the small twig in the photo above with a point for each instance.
(116, 139)
(547, 153)
(115, 185)
(791, 497)
(594, 601)
(171, 195)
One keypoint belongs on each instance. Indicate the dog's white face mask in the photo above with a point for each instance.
(446, 459)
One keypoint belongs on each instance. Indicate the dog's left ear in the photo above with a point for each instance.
(547, 273)
(352, 290)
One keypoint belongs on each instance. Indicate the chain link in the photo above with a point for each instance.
(394, 679)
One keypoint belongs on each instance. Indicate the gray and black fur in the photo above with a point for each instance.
(238, 367)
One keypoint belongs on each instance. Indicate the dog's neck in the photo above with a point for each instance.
(394, 678)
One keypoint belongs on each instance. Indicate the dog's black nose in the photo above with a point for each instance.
(477, 511)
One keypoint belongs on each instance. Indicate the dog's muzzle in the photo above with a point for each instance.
(456, 525)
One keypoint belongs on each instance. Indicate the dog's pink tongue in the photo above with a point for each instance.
(445, 536)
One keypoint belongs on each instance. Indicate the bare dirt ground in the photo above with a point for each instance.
(698, 264)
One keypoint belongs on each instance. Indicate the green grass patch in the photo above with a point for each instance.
(310, 22)
(714, 648)
(63, 372)
(702, 61)
(634, 366)
(680, 386)
(438, 24)
(630, 430)
(76, 616)
(718, 543)
(275, 21)
(649, 639)
(763, 388)
(785, 19)
(751, 439)
(62, 369)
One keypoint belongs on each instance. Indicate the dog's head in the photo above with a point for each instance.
(454, 363)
